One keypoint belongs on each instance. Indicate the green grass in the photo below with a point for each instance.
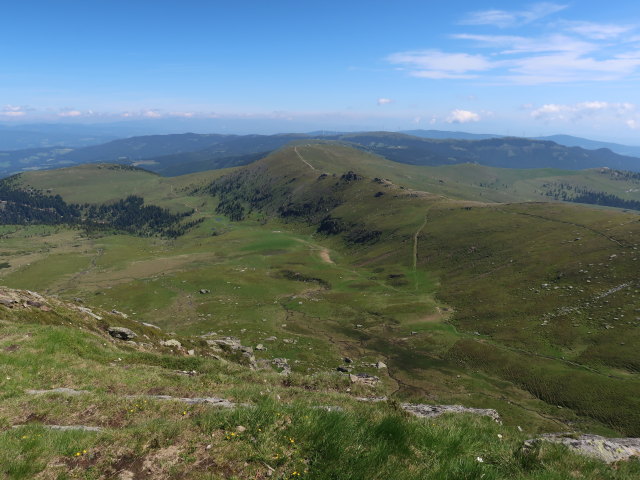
(477, 285)
(283, 432)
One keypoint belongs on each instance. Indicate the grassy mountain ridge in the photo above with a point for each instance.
(335, 253)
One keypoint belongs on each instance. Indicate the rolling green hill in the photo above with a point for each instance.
(318, 252)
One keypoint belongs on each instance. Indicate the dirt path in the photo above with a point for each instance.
(295, 149)
(415, 241)
(324, 255)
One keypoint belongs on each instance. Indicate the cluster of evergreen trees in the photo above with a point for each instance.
(20, 206)
(570, 193)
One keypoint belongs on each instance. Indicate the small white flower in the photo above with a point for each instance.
(500, 435)
(479, 459)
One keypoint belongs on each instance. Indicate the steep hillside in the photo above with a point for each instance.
(117, 398)
(519, 307)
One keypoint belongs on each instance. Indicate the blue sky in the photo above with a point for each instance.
(519, 68)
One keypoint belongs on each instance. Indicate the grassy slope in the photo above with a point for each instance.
(486, 281)
(284, 434)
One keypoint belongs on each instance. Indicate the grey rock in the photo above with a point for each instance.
(83, 428)
(343, 369)
(150, 325)
(229, 343)
(214, 401)
(606, 449)
(380, 365)
(204, 291)
(121, 333)
(347, 360)
(171, 343)
(329, 408)
(62, 391)
(260, 347)
(364, 379)
(430, 411)
(282, 363)
(371, 399)
(270, 339)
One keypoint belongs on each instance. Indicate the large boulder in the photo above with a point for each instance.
(606, 449)
(121, 333)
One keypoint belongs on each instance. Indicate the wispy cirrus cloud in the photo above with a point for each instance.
(622, 112)
(437, 64)
(506, 19)
(597, 31)
(563, 51)
(14, 111)
(384, 101)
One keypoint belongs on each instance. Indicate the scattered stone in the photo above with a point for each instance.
(229, 343)
(214, 401)
(204, 291)
(151, 325)
(189, 373)
(430, 411)
(372, 399)
(241, 429)
(62, 390)
(270, 339)
(380, 365)
(606, 449)
(171, 343)
(289, 340)
(282, 363)
(329, 408)
(121, 333)
(260, 347)
(117, 312)
(343, 369)
(191, 352)
(84, 428)
(347, 360)
(89, 312)
(364, 379)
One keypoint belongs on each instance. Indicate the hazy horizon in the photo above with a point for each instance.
(507, 68)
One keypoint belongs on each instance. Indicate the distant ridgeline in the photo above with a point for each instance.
(573, 193)
(28, 206)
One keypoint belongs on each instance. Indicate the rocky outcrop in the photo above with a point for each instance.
(606, 449)
(122, 333)
(364, 379)
(430, 411)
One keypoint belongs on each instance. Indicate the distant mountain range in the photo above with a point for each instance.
(566, 140)
(178, 154)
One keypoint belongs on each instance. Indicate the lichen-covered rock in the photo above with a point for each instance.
(606, 449)
(364, 379)
(121, 333)
(171, 343)
(429, 411)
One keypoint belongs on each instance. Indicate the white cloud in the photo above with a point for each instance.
(569, 67)
(70, 113)
(597, 31)
(577, 111)
(462, 116)
(384, 101)
(436, 64)
(633, 124)
(515, 44)
(13, 111)
(504, 19)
